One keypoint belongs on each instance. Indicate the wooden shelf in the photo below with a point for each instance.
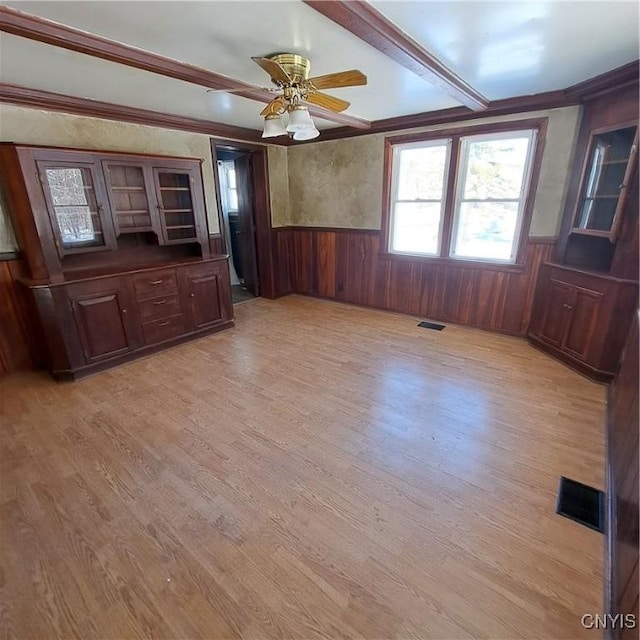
(591, 232)
(175, 189)
(127, 188)
(180, 226)
(132, 212)
(135, 229)
(178, 210)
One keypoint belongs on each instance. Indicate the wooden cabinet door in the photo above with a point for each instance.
(76, 203)
(180, 205)
(104, 318)
(583, 316)
(556, 313)
(207, 294)
(132, 197)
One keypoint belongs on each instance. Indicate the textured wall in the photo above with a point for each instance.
(338, 183)
(31, 126)
(279, 186)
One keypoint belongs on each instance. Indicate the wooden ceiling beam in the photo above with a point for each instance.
(58, 35)
(361, 19)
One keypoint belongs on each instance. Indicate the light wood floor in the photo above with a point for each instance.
(320, 471)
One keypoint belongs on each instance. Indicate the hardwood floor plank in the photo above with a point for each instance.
(320, 471)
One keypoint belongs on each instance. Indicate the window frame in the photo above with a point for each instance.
(397, 149)
(453, 175)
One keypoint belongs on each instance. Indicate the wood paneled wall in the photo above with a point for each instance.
(18, 339)
(346, 265)
(622, 490)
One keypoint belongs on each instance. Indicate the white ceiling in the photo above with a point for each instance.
(502, 49)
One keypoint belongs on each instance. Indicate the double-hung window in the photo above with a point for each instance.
(461, 196)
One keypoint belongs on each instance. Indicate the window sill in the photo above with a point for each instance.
(508, 267)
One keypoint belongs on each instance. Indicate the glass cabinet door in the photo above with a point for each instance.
(176, 203)
(609, 165)
(76, 213)
(129, 197)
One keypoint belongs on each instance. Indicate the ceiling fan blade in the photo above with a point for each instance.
(352, 78)
(328, 102)
(273, 69)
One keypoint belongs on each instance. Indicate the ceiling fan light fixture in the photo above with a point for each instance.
(299, 119)
(273, 127)
(306, 134)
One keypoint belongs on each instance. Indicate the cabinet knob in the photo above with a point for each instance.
(192, 295)
(568, 307)
(124, 311)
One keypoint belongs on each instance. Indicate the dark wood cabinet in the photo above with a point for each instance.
(118, 253)
(206, 298)
(104, 317)
(583, 310)
(582, 318)
(585, 299)
(93, 324)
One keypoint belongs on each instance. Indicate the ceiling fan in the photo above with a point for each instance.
(290, 73)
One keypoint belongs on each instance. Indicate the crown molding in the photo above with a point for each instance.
(59, 35)
(605, 82)
(38, 99)
(508, 106)
(371, 26)
(574, 95)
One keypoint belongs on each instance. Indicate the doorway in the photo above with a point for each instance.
(237, 219)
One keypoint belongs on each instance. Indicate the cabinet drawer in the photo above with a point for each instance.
(160, 330)
(159, 308)
(155, 283)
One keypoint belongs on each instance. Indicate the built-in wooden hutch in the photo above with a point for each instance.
(586, 297)
(117, 249)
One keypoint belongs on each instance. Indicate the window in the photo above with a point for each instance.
(462, 196)
(419, 182)
(229, 187)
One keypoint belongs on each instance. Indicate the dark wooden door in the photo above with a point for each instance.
(583, 316)
(556, 313)
(246, 236)
(623, 490)
(208, 299)
(104, 317)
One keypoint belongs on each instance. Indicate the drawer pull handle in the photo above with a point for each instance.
(155, 281)
(568, 307)
(163, 324)
(159, 302)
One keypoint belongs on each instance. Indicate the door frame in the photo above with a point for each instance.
(261, 209)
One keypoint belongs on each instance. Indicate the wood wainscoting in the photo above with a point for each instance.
(347, 265)
(18, 335)
(622, 487)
